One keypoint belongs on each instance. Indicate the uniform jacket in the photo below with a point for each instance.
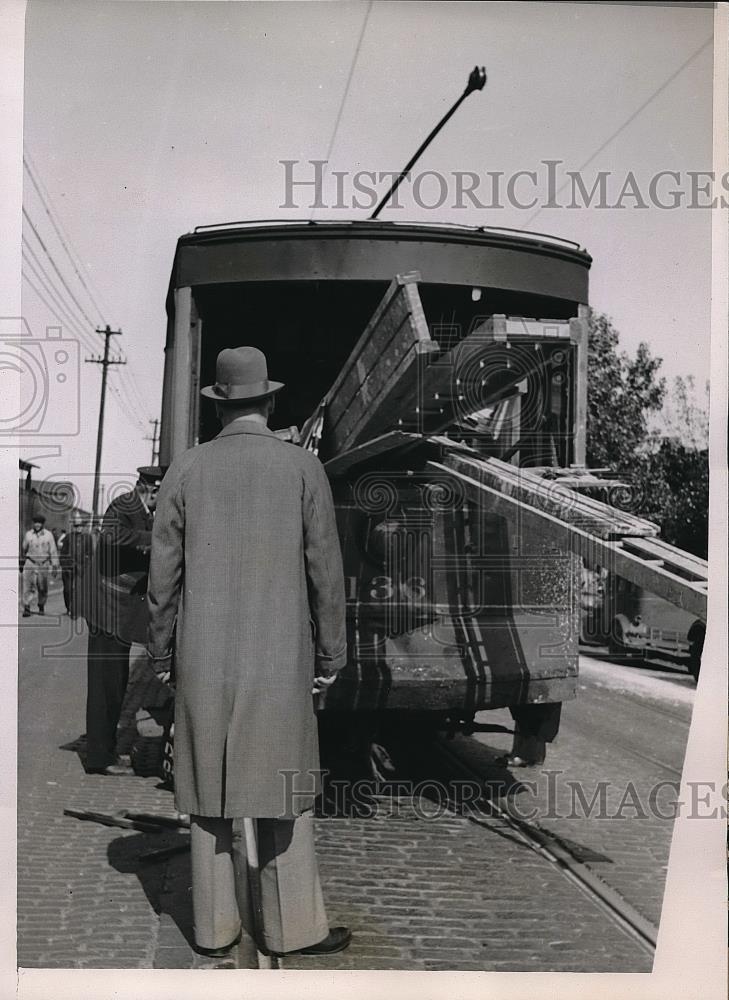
(246, 582)
(75, 552)
(115, 596)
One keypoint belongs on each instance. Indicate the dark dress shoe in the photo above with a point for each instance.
(514, 760)
(218, 952)
(336, 940)
(26, 612)
(112, 770)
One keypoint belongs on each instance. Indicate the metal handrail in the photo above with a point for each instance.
(369, 223)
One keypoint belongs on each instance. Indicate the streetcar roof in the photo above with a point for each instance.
(251, 250)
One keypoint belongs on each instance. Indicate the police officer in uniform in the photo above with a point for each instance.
(117, 615)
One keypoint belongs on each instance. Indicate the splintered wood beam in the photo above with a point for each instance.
(593, 516)
(378, 446)
(610, 553)
(551, 495)
(368, 394)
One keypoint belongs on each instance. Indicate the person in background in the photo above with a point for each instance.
(246, 531)
(62, 542)
(117, 615)
(74, 550)
(39, 557)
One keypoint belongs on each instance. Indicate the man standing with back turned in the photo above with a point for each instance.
(246, 587)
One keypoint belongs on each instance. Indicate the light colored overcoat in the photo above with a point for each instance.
(246, 569)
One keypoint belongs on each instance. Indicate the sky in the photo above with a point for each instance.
(143, 120)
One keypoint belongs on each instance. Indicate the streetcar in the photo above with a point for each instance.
(452, 608)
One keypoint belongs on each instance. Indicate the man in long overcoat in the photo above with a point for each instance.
(246, 586)
(115, 605)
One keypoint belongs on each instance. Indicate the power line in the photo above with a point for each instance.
(128, 412)
(66, 243)
(129, 383)
(55, 268)
(74, 323)
(105, 363)
(66, 320)
(345, 94)
(155, 441)
(50, 307)
(628, 121)
(133, 405)
(126, 407)
(133, 396)
(45, 302)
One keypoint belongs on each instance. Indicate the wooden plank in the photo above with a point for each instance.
(365, 388)
(631, 523)
(392, 400)
(691, 596)
(385, 349)
(595, 517)
(363, 452)
(680, 562)
(367, 395)
(397, 305)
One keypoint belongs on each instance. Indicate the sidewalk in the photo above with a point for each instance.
(84, 898)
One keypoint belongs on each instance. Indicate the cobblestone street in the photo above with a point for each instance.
(420, 893)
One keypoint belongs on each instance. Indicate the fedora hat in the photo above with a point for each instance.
(241, 373)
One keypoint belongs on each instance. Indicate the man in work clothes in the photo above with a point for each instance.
(117, 615)
(40, 555)
(246, 568)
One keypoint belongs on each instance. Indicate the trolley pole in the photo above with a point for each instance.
(155, 442)
(105, 362)
(476, 81)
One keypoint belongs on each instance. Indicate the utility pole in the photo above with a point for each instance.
(105, 362)
(155, 442)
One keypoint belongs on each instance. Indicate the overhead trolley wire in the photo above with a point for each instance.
(347, 85)
(631, 118)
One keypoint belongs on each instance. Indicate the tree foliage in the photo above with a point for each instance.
(621, 394)
(655, 439)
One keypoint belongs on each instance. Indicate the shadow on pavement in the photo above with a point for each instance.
(166, 883)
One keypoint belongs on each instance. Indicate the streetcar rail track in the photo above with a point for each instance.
(556, 853)
(651, 706)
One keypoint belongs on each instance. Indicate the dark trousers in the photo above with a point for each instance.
(536, 725)
(67, 580)
(108, 673)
